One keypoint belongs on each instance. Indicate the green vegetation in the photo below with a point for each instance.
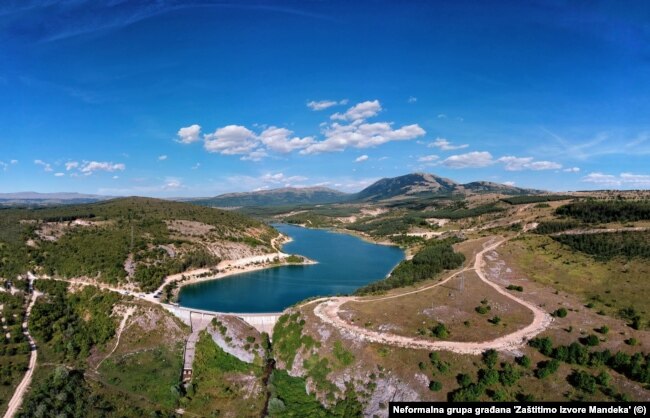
(605, 246)
(546, 368)
(111, 231)
(440, 331)
(553, 227)
(344, 357)
(391, 225)
(14, 351)
(461, 213)
(435, 386)
(431, 260)
(69, 325)
(560, 313)
(583, 381)
(520, 200)
(222, 383)
(516, 288)
(294, 259)
(603, 211)
(635, 367)
(63, 394)
(290, 399)
(288, 338)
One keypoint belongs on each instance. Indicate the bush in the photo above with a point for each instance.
(591, 340)
(560, 313)
(440, 331)
(490, 358)
(517, 288)
(435, 386)
(495, 320)
(546, 368)
(483, 309)
(631, 341)
(524, 361)
(603, 330)
(583, 381)
(464, 380)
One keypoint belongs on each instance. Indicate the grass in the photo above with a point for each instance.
(288, 338)
(153, 374)
(222, 384)
(609, 285)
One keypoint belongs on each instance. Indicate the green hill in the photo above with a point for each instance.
(276, 197)
(136, 240)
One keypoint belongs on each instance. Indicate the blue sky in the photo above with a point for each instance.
(176, 98)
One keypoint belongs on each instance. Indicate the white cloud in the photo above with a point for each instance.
(281, 178)
(4, 165)
(13, 162)
(572, 170)
(362, 135)
(278, 139)
(445, 145)
(173, 183)
(317, 105)
(473, 159)
(70, 165)
(46, 166)
(629, 180)
(230, 140)
(162, 157)
(512, 163)
(428, 158)
(255, 155)
(360, 111)
(412, 99)
(189, 134)
(509, 183)
(442, 116)
(361, 159)
(59, 174)
(116, 177)
(196, 166)
(89, 167)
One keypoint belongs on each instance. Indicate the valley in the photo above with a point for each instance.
(501, 296)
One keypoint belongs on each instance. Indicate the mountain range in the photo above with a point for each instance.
(409, 186)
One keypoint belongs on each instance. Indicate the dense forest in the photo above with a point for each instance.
(521, 200)
(435, 257)
(603, 211)
(606, 246)
(553, 227)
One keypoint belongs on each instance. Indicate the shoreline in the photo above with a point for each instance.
(237, 267)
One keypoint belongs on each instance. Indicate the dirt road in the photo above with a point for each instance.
(328, 312)
(19, 394)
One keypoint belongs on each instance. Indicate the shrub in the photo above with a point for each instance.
(560, 313)
(603, 330)
(435, 386)
(517, 288)
(583, 381)
(591, 340)
(524, 361)
(490, 358)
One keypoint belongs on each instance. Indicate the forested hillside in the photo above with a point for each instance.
(135, 240)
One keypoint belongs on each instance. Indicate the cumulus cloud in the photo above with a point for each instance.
(512, 163)
(509, 183)
(572, 170)
(362, 135)
(162, 157)
(46, 166)
(70, 165)
(445, 145)
(280, 140)
(442, 116)
(281, 178)
(412, 99)
(317, 105)
(428, 158)
(13, 162)
(89, 167)
(59, 174)
(475, 159)
(230, 140)
(173, 183)
(354, 132)
(361, 159)
(4, 165)
(189, 134)
(630, 180)
(360, 111)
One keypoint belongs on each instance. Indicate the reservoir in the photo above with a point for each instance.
(345, 263)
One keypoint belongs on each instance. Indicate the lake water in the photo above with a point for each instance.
(345, 263)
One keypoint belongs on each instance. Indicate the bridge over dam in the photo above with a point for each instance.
(198, 320)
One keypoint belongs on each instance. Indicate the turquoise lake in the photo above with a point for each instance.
(345, 263)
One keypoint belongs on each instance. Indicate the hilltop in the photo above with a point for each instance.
(276, 197)
(36, 199)
(136, 241)
(407, 187)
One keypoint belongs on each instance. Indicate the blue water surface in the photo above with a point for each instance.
(345, 263)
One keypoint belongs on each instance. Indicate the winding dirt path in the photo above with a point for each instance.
(129, 311)
(328, 312)
(19, 394)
